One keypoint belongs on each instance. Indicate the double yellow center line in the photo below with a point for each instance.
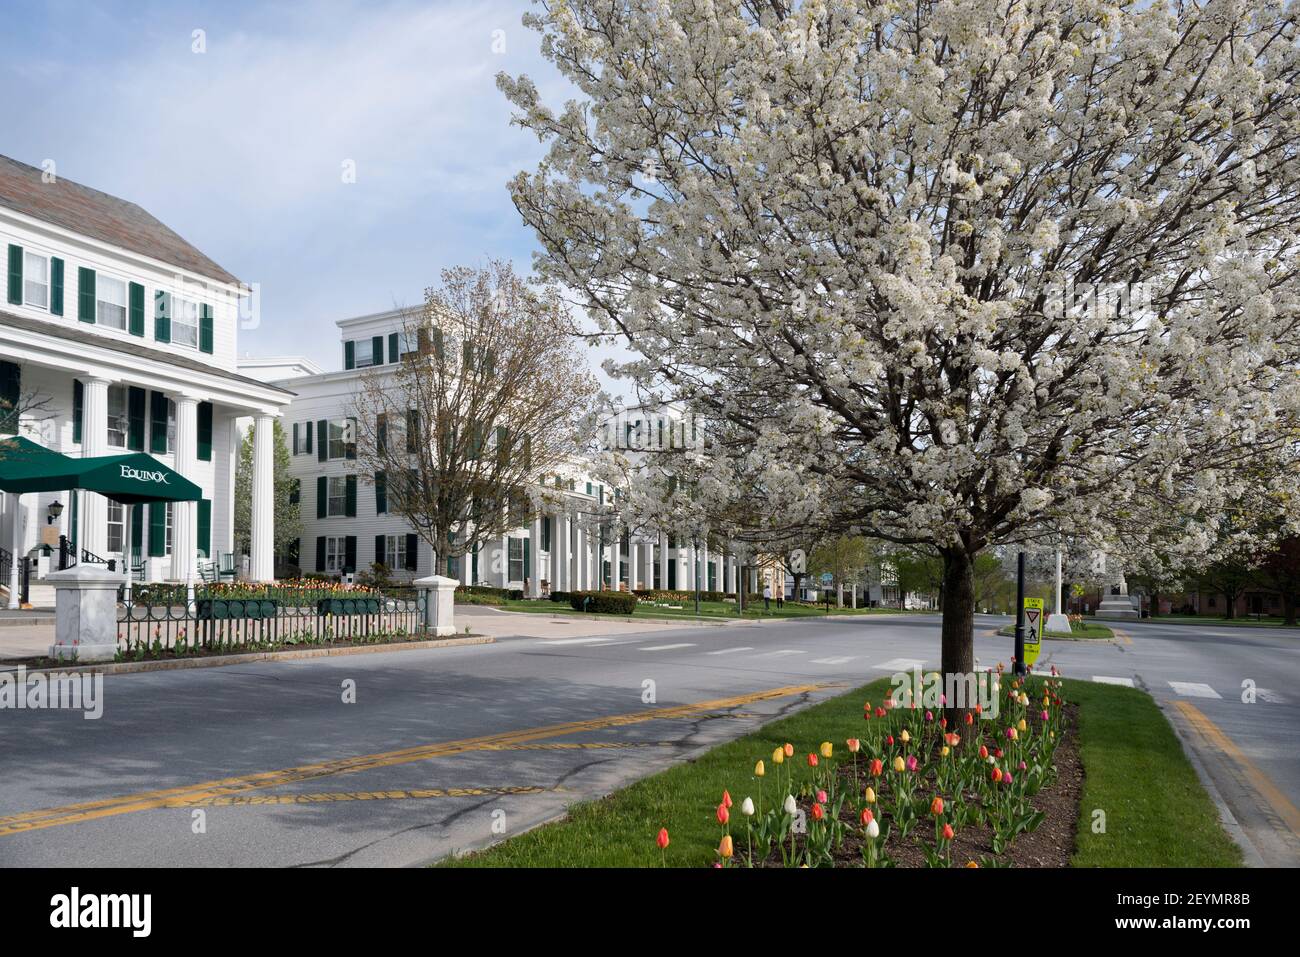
(210, 791)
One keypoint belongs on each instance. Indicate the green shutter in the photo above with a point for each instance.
(377, 350)
(85, 294)
(137, 529)
(56, 286)
(135, 309)
(157, 529)
(381, 493)
(350, 553)
(320, 553)
(295, 438)
(158, 423)
(527, 558)
(379, 549)
(205, 432)
(350, 496)
(205, 328)
(162, 316)
(392, 347)
(135, 403)
(205, 527)
(306, 446)
(10, 394)
(412, 551)
(78, 403)
(349, 354)
(322, 440)
(15, 274)
(322, 495)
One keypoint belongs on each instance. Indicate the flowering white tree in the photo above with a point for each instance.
(870, 237)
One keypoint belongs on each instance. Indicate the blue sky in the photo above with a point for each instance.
(241, 148)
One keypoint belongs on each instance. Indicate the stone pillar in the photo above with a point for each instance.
(85, 613)
(184, 514)
(93, 534)
(437, 592)
(535, 554)
(262, 565)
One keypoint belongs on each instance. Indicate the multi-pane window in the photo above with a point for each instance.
(394, 551)
(335, 553)
(363, 353)
(337, 500)
(171, 425)
(185, 322)
(169, 526)
(110, 304)
(36, 280)
(516, 570)
(116, 526)
(118, 422)
(342, 433)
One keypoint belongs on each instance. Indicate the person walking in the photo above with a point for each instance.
(767, 597)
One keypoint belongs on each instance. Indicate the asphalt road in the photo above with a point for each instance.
(452, 749)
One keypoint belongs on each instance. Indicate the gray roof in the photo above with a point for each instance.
(100, 216)
(74, 334)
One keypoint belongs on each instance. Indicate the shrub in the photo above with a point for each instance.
(603, 602)
(560, 596)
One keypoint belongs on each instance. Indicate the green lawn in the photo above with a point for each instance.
(1265, 622)
(1087, 630)
(708, 610)
(1160, 817)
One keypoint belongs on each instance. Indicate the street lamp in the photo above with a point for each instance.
(55, 510)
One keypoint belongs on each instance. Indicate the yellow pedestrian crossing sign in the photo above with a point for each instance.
(1033, 629)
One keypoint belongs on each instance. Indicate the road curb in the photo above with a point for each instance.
(218, 661)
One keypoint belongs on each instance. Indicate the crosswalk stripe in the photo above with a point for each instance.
(731, 651)
(900, 664)
(1107, 680)
(1269, 696)
(784, 651)
(688, 644)
(577, 641)
(1191, 689)
(842, 659)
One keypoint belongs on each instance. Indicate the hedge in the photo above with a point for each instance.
(603, 602)
(512, 594)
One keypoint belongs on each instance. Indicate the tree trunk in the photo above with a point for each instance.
(1288, 608)
(958, 629)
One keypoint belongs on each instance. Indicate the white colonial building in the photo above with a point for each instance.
(118, 335)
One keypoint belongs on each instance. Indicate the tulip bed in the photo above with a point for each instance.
(1081, 759)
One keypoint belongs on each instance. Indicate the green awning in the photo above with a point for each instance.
(131, 479)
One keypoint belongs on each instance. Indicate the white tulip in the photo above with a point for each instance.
(790, 807)
(747, 807)
(873, 829)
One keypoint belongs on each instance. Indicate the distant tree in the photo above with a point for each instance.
(920, 571)
(1279, 566)
(844, 557)
(1229, 577)
(288, 519)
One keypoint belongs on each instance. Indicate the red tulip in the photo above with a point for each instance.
(936, 806)
(969, 718)
(723, 814)
(889, 741)
(821, 797)
(817, 812)
(662, 839)
(997, 775)
(877, 766)
(947, 832)
(984, 753)
(812, 760)
(726, 798)
(867, 816)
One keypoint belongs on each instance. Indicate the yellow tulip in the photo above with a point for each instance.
(725, 848)
(943, 752)
(898, 765)
(870, 796)
(826, 749)
(759, 770)
(971, 864)
(778, 756)
(904, 736)
(1021, 726)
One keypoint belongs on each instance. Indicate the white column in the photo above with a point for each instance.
(560, 553)
(690, 554)
(633, 565)
(15, 546)
(505, 561)
(93, 517)
(704, 567)
(580, 558)
(730, 562)
(535, 554)
(262, 526)
(663, 561)
(184, 514)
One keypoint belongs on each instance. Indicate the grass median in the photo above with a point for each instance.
(1085, 632)
(1156, 812)
(708, 610)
